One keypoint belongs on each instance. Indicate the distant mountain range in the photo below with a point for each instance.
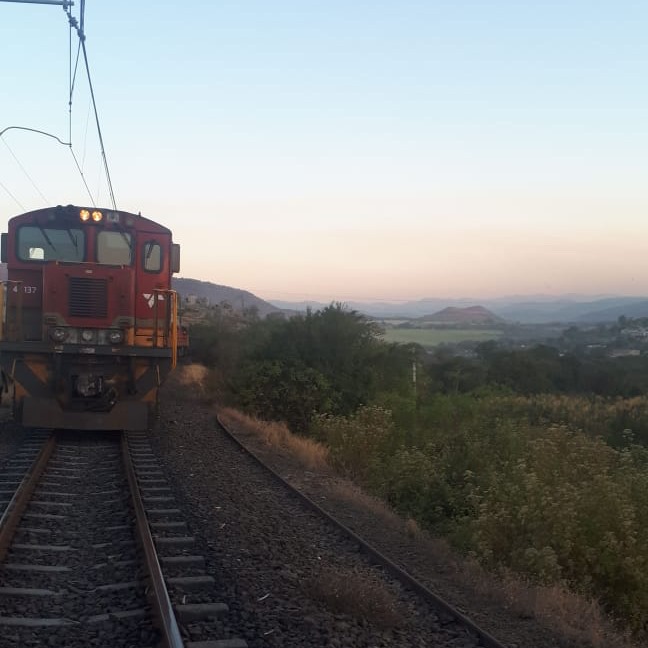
(637, 309)
(598, 310)
(538, 309)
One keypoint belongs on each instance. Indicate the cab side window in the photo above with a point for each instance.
(152, 256)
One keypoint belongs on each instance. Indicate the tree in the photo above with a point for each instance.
(328, 357)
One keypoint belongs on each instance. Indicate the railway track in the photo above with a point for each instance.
(94, 551)
(481, 637)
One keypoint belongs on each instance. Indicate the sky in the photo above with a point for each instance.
(349, 150)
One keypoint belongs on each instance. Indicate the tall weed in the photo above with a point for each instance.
(550, 501)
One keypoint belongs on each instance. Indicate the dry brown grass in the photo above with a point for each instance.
(359, 594)
(569, 614)
(311, 454)
(574, 616)
(189, 381)
(349, 492)
(192, 375)
(354, 495)
(412, 529)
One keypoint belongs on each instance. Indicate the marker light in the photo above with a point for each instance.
(115, 337)
(84, 215)
(87, 335)
(97, 216)
(58, 334)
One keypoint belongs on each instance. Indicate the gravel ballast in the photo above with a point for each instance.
(291, 579)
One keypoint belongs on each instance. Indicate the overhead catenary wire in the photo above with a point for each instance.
(72, 77)
(22, 207)
(78, 26)
(60, 141)
(85, 137)
(85, 184)
(22, 168)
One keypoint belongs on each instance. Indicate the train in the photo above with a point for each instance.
(89, 324)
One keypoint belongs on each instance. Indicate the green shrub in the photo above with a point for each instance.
(548, 502)
(356, 442)
(571, 510)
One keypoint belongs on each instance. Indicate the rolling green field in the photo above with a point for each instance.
(430, 337)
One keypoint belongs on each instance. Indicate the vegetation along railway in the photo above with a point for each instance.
(94, 547)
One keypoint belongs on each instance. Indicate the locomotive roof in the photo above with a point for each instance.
(69, 213)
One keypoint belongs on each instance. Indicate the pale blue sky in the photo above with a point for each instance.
(352, 150)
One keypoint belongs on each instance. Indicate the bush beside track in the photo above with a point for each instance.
(550, 487)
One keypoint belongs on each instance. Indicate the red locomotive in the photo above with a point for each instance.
(89, 327)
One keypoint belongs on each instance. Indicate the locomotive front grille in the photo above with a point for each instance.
(88, 297)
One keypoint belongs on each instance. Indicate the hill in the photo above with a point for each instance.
(569, 310)
(637, 309)
(471, 315)
(215, 294)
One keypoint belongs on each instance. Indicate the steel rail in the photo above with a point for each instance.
(486, 639)
(13, 513)
(158, 594)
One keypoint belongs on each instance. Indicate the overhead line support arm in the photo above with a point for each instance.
(59, 3)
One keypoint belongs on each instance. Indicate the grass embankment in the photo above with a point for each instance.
(431, 337)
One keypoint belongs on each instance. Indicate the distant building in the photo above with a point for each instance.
(637, 333)
(624, 353)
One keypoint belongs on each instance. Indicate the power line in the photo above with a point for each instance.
(22, 207)
(78, 26)
(60, 141)
(72, 77)
(94, 204)
(31, 180)
(34, 130)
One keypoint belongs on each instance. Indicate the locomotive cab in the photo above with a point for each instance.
(88, 329)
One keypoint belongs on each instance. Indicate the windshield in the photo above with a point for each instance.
(36, 243)
(114, 248)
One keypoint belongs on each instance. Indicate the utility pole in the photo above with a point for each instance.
(413, 436)
(414, 375)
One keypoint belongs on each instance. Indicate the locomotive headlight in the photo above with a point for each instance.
(58, 334)
(115, 337)
(84, 215)
(97, 216)
(87, 335)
